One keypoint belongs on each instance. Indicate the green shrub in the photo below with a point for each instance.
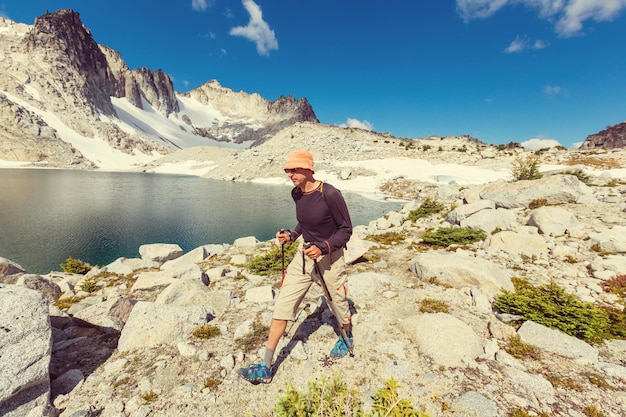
(75, 266)
(387, 238)
(538, 202)
(617, 323)
(387, 402)
(551, 306)
(113, 279)
(90, 285)
(592, 411)
(334, 398)
(149, 397)
(430, 305)
(271, 262)
(526, 168)
(563, 382)
(521, 350)
(324, 398)
(212, 383)
(426, 209)
(67, 302)
(206, 332)
(446, 236)
(520, 412)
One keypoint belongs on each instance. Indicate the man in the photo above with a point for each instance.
(325, 225)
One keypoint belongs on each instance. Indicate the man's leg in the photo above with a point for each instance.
(333, 269)
(294, 288)
(277, 329)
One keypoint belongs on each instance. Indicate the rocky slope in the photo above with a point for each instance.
(611, 137)
(127, 348)
(59, 83)
(339, 151)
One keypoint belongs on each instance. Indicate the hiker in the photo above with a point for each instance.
(325, 226)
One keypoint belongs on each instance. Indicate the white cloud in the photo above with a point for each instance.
(539, 143)
(201, 5)
(257, 30)
(361, 124)
(476, 9)
(577, 11)
(568, 14)
(552, 90)
(518, 45)
(521, 43)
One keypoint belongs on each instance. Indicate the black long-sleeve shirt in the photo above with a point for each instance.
(323, 217)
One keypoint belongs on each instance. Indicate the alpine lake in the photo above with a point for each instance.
(48, 215)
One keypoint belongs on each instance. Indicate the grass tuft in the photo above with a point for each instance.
(206, 331)
(430, 305)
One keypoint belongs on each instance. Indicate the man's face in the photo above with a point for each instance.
(297, 175)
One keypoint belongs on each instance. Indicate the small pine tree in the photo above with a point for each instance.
(75, 266)
(526, 168)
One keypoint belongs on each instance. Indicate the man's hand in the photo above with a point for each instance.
(283, 236)
(313, 252)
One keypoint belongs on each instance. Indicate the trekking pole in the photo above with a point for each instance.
(282, 256)
(342, 331)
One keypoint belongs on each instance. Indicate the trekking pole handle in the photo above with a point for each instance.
(283, 232)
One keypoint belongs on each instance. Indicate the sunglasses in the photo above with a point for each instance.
(290, 170)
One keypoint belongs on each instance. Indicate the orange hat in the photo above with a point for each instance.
(300, 159)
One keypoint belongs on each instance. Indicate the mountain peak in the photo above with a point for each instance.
(67, 63)
(59, 83)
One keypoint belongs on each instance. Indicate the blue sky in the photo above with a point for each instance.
(498, 70)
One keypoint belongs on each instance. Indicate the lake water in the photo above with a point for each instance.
(49, 215)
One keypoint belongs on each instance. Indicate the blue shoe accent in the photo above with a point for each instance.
(256, 374)
(341, 348)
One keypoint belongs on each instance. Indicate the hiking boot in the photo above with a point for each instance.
(256, 374)
(341, 348)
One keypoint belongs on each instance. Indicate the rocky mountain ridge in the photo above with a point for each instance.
(611, 137)
(56, 70)
(57, 83)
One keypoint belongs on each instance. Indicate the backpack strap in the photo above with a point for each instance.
(324, 195)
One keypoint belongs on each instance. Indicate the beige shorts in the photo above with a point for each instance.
(296, 284)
